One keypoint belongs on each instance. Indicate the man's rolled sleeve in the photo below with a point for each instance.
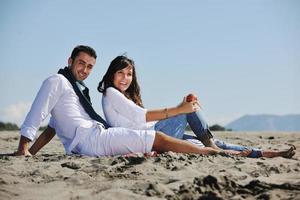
(42, 105)
(28, 132)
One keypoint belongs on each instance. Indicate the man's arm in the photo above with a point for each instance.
(42, 140)
(44, 102)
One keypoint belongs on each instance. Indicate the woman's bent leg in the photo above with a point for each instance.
(200, 128)
(173, 126)
(255, 153)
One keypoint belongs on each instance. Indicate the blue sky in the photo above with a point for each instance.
(239, 57)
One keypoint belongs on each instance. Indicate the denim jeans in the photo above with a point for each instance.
(175, 127)
(256, 153)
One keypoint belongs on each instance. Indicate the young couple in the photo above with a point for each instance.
(130, 127)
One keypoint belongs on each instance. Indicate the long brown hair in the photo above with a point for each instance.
(119, 63)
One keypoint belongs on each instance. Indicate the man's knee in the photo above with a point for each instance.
(159, 141)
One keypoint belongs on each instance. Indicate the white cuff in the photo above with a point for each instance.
(28, 133)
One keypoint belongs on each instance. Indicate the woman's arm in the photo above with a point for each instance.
(183, 108)
(130, 110)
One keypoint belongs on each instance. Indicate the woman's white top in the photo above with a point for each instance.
(119, 111)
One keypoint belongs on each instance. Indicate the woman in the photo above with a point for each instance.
(123, 107)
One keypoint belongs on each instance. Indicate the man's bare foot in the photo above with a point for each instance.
(289, 153)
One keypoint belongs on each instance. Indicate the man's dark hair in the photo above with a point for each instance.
(85, 49)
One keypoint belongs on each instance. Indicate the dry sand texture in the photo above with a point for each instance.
(53, 175)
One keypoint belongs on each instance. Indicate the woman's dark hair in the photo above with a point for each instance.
(119, 63)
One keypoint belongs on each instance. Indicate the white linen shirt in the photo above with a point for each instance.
(119, 111)
(69, 119)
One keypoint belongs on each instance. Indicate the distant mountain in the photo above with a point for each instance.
(266, 123)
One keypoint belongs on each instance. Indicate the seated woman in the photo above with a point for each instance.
(123, 107)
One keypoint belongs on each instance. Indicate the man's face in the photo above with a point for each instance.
(81, 66)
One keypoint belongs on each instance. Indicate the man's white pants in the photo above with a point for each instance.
(116, 141)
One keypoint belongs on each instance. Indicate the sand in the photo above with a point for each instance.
(53, 175)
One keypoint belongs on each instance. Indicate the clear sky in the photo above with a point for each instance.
(239, 57)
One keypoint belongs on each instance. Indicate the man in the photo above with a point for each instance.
(78, 126)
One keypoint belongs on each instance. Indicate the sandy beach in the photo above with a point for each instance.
(53, 175)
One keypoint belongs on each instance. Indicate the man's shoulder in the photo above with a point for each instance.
(56, 78)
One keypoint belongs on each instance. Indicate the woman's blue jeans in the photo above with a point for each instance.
(175, 127)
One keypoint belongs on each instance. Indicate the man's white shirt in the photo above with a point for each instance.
(69, 119)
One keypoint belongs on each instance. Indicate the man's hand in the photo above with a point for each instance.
(22, 153)
(23, 147)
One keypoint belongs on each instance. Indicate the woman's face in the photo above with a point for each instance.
(123, 78)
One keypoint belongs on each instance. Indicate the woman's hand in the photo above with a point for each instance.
(183, 108)
(188, 107)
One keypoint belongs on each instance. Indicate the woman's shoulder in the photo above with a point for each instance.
(111, 89)
(112, 92)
